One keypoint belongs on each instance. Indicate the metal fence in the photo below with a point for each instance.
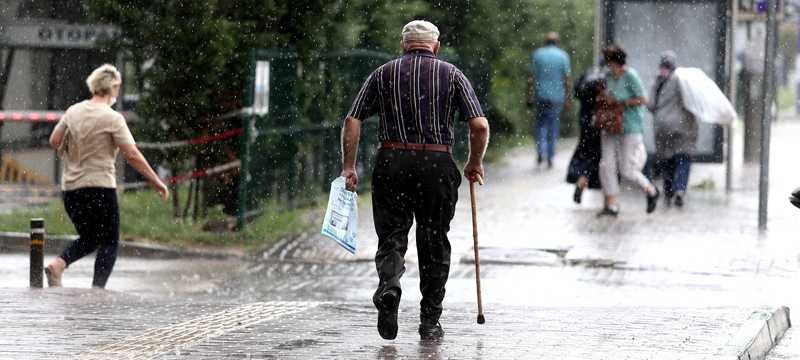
(291, 153)
(285, 157)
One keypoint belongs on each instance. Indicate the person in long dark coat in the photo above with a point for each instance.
(583, 169)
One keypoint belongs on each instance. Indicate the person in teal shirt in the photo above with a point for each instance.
(624, 153)
(550, 71)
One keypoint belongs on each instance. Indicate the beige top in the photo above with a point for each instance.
(89, 150)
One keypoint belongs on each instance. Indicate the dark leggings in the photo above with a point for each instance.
(95, 214)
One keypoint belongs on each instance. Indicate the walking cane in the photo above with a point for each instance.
(481, 320)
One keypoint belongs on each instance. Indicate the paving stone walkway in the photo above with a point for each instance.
(558, 283)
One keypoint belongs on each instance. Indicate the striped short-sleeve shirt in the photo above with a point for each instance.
(417, 97)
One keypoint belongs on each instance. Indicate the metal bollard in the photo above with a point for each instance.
(37, 252)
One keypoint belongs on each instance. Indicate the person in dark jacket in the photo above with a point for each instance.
(795, 198)
(583, 169)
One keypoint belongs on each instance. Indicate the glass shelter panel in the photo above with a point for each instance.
(695, 30)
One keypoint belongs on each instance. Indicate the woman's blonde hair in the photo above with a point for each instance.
(102, 79)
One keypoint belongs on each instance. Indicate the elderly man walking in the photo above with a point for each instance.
(549, 78)
(415, 176)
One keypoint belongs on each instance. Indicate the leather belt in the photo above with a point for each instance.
(393, 145)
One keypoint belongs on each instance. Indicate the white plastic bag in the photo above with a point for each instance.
(341, 218)
(703, 98)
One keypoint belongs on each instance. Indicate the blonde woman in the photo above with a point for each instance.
(88, 138)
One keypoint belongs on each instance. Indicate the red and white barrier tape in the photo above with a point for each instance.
(41, 116)
(30, 116)
(197, 174)
(51, 116)
(196, 141)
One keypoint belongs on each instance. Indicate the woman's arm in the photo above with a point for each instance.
(636, 101)
(57, 136)
(134, 157)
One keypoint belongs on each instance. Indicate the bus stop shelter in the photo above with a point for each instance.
(702, 33)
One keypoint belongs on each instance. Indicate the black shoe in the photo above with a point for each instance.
(549, 163)
(652, 201)
(387, 304)
(431, 331)
(539, 160)
(607, 211)
(578, 195)
(667, 201)
(679, 201)
(795, 198)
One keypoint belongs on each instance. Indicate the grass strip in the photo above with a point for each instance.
(145, 218)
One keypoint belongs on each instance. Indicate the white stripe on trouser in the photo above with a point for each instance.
(624, 153)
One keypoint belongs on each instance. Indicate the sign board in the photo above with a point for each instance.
(758, 6)
(55, 35)
(261, 88)
(756, 10)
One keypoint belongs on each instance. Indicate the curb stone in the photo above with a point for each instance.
(20, 242)
(759, 334)
(520, 256)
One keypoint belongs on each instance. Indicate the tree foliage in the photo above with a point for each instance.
(180, 50)
(192, 54)
(191, 60)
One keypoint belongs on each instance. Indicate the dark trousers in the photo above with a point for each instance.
(95, 214)
(676, 174)
(421, 185)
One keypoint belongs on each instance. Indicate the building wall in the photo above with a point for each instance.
(18, 89)
(43, 78)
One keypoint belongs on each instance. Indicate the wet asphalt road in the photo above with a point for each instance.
(557, 284)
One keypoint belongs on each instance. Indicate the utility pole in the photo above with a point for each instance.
(768, 92)
(734, 15)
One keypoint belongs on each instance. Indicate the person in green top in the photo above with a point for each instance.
(624, 153)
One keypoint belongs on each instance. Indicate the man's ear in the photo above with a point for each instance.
(436, 48)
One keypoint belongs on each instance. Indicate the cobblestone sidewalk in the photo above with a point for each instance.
(677, 284)
(93, 324)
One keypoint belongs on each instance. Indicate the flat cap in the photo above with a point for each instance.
(420, 30)
(668, 59)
